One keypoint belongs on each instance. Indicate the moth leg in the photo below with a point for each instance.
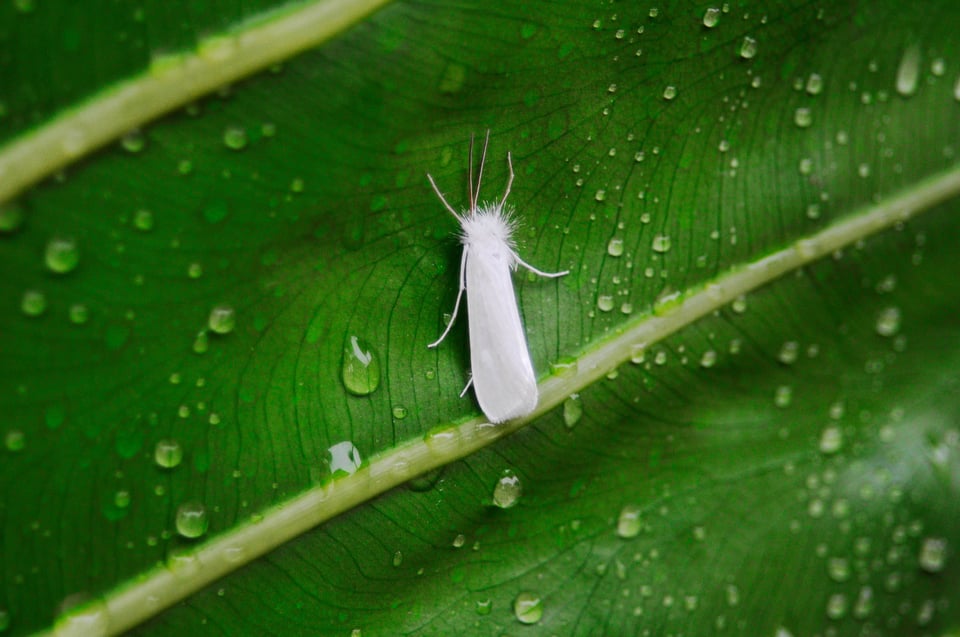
(549, 275)
(456, 306)
(464, 392)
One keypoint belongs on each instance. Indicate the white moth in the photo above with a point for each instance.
(502, 374)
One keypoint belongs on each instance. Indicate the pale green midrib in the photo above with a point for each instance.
(171, 83)
(132, 603)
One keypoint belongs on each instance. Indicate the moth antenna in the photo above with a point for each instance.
(506, 193)
(440, 194)
(473, 198)
(483, 160)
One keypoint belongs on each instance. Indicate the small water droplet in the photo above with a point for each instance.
(661, 243)
(11, 216)
(143, 220)
(202, 342)
(748, 48)
(837, 606)
(600, 195)
(814, 84)
(615, 247)
(528, 608)
(484, 606)
(838, 569)
(507, 491)
(605, 302)
(33, 303)
(399, 412)
(831, 439)
(933, 554)
(191, 520)
(711, 17)
(669, 92)
(361, 367)
(168, 454)
(235, 138)
(708, 359)
(888, 321)
(783, 396)
(133, 141)
(572, 410)
(629, 523)
(789, 352)
(222, 319)
(14, 440)
(802, 117)
(62, 255)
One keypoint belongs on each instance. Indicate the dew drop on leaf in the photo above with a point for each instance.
(748, 48)
(361, 367)
(888, 321)
(11, 216)
(14, 440)
(235, 138)
(711, 17)
(33, 303)
(61, 255)
(615, 247)
(345, 457)
(628, 522)
(933, 554)
(507, 491)
(908, 72)
(222, 319)
(572, 410)
(167, 454)
(528, 608)
(191, 520)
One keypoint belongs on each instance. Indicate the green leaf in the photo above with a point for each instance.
(224, 263)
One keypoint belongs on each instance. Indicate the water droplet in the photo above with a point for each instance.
(888, 321)
(143, 220)
(708, 359)
(78, 313)
(615, 247)
(202, 342)
(838, 569)
(933, 554)
(711, 17)
(34, 303)
(361, 367)
(344, 456)
(789, 352)
(837, 606)
(661, 243)
(739, 304)
(133, 141)
(11, 216)
(831, 439)
(605, 302)
(528, 608)
(397, 558)
(572, 410)
(507, 491)
(863, 170)
(191, 520)
(194, 270)
(908, 73)
(14, 440)
(783, 396)
(235, 138)
(600, 195)
(814, 84)
(629, 523)
(399, 412)
(748, 48)
(61, 255)
(669, 92)
(222, 319)
(802, 117)
(168, 454)
(484, 606)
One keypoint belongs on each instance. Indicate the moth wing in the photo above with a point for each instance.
(503, 378)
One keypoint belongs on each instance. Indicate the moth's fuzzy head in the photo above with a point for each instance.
(488, 223)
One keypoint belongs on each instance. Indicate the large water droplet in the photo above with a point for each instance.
(361, 367)
(908, 73)
(711, 17)
(191, 520)
(748, 48)
(615, 247)
(528, 607)
(507, 491)
(345, 457)
(168, 454)
(222, 319)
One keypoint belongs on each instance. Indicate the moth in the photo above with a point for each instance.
(501, 371)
